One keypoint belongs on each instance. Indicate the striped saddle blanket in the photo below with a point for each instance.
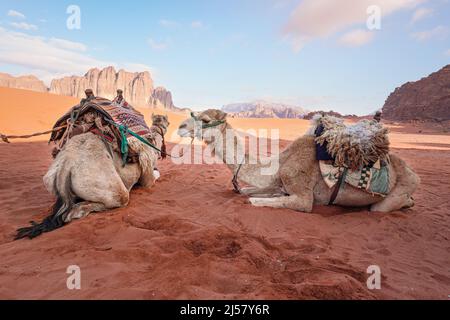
(373, 179)
(122, 114)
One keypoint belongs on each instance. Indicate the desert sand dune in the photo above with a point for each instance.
(191, 237)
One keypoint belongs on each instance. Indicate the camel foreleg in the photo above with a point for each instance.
(148, 178)
(270, 192)
(293, 202)
(83, 209)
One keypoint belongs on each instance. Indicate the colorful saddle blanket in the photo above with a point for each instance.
(373, 179)
(122, 114)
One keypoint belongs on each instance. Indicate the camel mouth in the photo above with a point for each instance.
(185, 133)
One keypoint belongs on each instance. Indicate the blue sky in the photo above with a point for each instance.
(318, 54)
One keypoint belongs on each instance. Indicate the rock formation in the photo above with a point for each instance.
(161, 98)
(23, 82)
(425, 99)
(263, 109)
(136, 86)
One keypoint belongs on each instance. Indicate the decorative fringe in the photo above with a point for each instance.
(356, 145)
(147, 157)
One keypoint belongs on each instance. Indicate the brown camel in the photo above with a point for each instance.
(298, 183)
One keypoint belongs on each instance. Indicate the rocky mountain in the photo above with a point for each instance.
(264, 109)
(137, 86)
(161, 98)
(425, 99)
(22, 82)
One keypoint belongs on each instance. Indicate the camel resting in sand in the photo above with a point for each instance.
(298, 183)
(88, 176)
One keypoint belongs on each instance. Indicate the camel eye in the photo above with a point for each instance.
(206, 120)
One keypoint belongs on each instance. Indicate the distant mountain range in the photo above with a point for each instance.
(425, 99)
(137, 87)
(264, 109)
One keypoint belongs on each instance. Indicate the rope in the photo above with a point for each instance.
(6, 138)
(123, 129)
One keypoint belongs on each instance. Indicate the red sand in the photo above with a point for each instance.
(191, 237)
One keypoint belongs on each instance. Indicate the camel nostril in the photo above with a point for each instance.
(183, 126)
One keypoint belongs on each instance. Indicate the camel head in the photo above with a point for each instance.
(160, 121)
(201, 124)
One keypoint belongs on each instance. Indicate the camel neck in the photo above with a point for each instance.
(158, 135)
(219, 146)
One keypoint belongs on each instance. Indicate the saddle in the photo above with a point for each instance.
(353, 146)
(96, 116)
(356, 154)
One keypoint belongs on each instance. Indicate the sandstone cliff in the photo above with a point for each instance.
(161, 98)
(23, 82)
(426, 99)
(136, 86)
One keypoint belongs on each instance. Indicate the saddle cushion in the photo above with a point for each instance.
(352, 146)
(369, 178)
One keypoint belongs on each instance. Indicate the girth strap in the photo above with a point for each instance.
(235, 182)
(338, 186)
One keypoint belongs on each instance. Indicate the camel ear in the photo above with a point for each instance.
(221, 115)
(204, 117)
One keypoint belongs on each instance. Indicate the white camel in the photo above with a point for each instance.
(88, 176)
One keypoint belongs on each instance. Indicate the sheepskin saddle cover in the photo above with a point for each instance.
(354, 145)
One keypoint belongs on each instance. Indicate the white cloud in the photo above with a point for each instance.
(16, 14)
(66, 44)
(439, 32)
(197, 24)
(447, 53)
(313, 19)
(158, 45)
(168, 23)
(52, 58)
(47, 57)
(24, 26)
(356, 38)
(421, 13)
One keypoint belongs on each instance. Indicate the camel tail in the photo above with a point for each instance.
(65, 200)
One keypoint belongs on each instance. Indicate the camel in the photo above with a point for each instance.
(298, 183)
(88, 176)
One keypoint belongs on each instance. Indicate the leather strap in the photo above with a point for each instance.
(235, 182)
(338, 187)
